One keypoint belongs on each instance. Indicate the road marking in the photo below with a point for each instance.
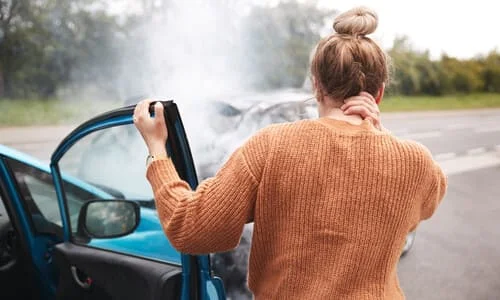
(421, 135)
(399, 131)
(445, 156)
(476, 151)
(486, 129)
(470, 163)
(457, 126)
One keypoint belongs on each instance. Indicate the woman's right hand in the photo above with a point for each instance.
(365, 106)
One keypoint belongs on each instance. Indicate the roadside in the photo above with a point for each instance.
(50, 112)
(432, 103)
(53, 111)
(38, 141)
(456, 255)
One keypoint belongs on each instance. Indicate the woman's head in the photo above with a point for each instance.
(348, 62)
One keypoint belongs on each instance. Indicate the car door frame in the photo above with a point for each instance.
(38, 247)
(195, 269)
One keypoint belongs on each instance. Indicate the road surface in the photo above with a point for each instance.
(457, 252)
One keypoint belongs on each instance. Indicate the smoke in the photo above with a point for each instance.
(189, 52)
(192, 52)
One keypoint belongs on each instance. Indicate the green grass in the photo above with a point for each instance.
(426, 103)
(52, 111)
(49, 112)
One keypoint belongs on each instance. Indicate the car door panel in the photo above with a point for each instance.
(114, 275)
(151, 270)
(197, 282)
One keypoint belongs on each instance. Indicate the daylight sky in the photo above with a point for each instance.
(458, 28)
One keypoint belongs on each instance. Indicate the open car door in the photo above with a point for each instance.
(113, 243)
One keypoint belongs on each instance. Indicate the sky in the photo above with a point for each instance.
(458, 28)
(462, 29)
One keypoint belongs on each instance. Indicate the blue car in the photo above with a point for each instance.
(86, 227)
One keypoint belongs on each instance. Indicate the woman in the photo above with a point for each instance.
(332, 199)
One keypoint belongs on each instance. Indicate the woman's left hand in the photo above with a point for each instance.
(365, 106)
(153, 129)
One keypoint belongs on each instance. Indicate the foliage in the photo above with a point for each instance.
(279, 40)
(49, 46)
(46, 43)
(415, 73)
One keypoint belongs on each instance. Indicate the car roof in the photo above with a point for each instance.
(25, 158)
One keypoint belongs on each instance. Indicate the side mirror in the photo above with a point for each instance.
(108, 218)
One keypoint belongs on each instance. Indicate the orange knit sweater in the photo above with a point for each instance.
(331, 203)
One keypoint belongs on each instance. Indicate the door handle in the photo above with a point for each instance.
(84, 285)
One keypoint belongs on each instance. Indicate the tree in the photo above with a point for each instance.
(491, 72)
(462, 76)
(42, 43)
(278, 41)
(414, 71)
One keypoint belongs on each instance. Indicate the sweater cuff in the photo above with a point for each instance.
(160, 172)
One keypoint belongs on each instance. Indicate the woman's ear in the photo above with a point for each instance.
(380, 94)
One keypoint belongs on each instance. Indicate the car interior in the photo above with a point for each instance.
(17, 276)
(83, 272)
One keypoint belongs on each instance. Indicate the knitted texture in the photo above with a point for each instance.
(331, 203)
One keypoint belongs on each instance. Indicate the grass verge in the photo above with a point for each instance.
(49, 112)
(426, 103)
(52, 111)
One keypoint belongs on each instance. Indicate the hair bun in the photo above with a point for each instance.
(357, 21)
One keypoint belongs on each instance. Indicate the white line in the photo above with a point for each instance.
(486, 129)
(476, 151)
(421, 135)
(470, 163)
(445, 156)
(399, 131)
(457, 126)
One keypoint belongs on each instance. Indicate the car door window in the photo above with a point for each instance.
(38, 194)
(111, 164)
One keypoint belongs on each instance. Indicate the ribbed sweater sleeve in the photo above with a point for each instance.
(435, 184)
(211, 218)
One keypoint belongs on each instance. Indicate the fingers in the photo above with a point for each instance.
(365, 106)
(363, 111)
(365, 97)
(141, 111)
(373, 108)
(375, 122)
(159, 113)
(144, 108)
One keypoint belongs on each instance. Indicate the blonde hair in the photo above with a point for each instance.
(348, 62)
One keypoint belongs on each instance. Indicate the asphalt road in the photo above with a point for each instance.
(445, 133)
(457, 253)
